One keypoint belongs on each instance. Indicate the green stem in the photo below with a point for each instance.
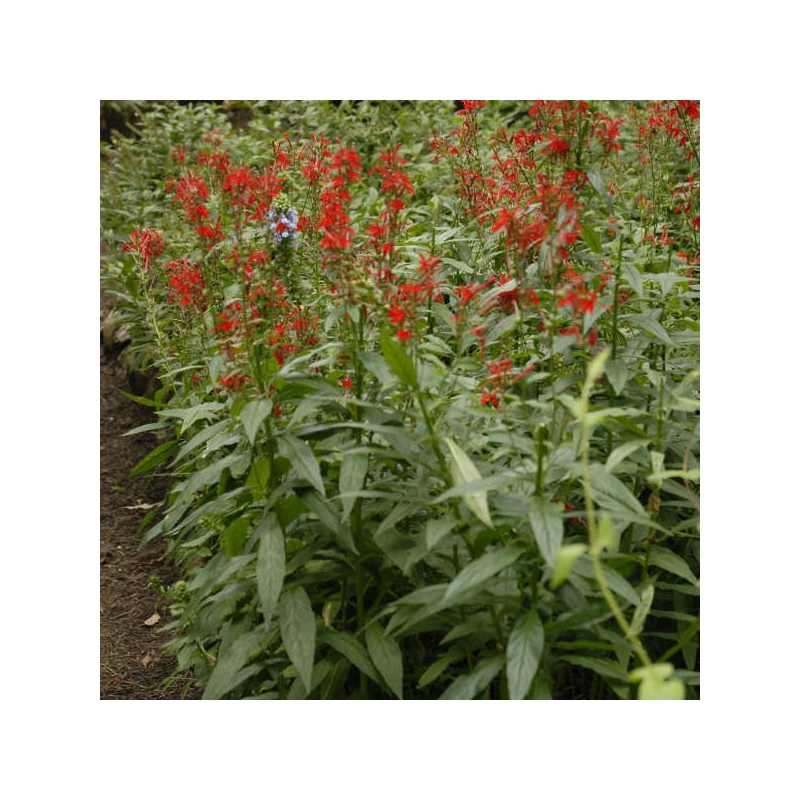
(595, 548)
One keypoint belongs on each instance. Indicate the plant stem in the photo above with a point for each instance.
(594, 546)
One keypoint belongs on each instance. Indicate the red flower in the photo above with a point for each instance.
(490, 398)
(397, 315)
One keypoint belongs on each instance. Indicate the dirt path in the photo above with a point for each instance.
(132, 666)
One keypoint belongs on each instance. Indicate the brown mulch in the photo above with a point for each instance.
(132, 664)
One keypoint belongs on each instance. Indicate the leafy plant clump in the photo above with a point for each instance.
(428, 393)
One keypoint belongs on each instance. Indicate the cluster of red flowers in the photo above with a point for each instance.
(186, 285)
(191, 192)
(461, 148)
(502, 376)
(267, 322)
(146, 244)
(407, 297)
(335, 222)
(395, 186)
(675, 119)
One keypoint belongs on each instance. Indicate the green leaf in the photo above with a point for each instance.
(612, 494)
(615, 581)
(157, 456)
(464, 471)
(465, 687)
(592, 238)
(652, 326)
(641, 612)
(619, 454)
(253, 414)
(617, 374)
(270, 564)
(548, 527)
(599, 185)
(232, 657)
(189, 416)
(437, 528)
(565, 559)
(387, 657)
(301, 457)
(480, 570)
(298, 631)
(671, 562)
(201, 437)
(322, 508)
(610, 670)
(347, 644)
(235, 535)
(634, 277)
(351, 478)
(398, 359)
(438, 667)
(523, 654)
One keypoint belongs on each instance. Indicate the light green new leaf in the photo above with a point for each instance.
(597, 365)
(565, 559)
(270, 564)
(480, 570)
(607, 537)
(253, 414)
(641, 612)
(656, 683)
(548, 527)
(298, 631)
(387, 657)
(464, 471)
(523, 654)
(301, 457)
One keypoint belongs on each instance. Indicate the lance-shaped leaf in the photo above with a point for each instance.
(523, 654)
(253, 414)
(387, 657)
(480, 570)
(301, 457)
(351, 478)
(547, 525)
(398, 359)
(464, 471)
(270, 564)
(298, 631)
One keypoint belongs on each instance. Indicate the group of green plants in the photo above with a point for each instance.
(429, 393)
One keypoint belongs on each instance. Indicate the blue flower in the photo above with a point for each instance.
(283, 225)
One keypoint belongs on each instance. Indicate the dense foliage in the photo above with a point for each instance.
(429, 392)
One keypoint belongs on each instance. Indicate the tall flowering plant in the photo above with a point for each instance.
(432, 420)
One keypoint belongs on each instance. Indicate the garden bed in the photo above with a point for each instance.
(425, 383)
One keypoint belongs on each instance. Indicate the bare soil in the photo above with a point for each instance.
(132, 664)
